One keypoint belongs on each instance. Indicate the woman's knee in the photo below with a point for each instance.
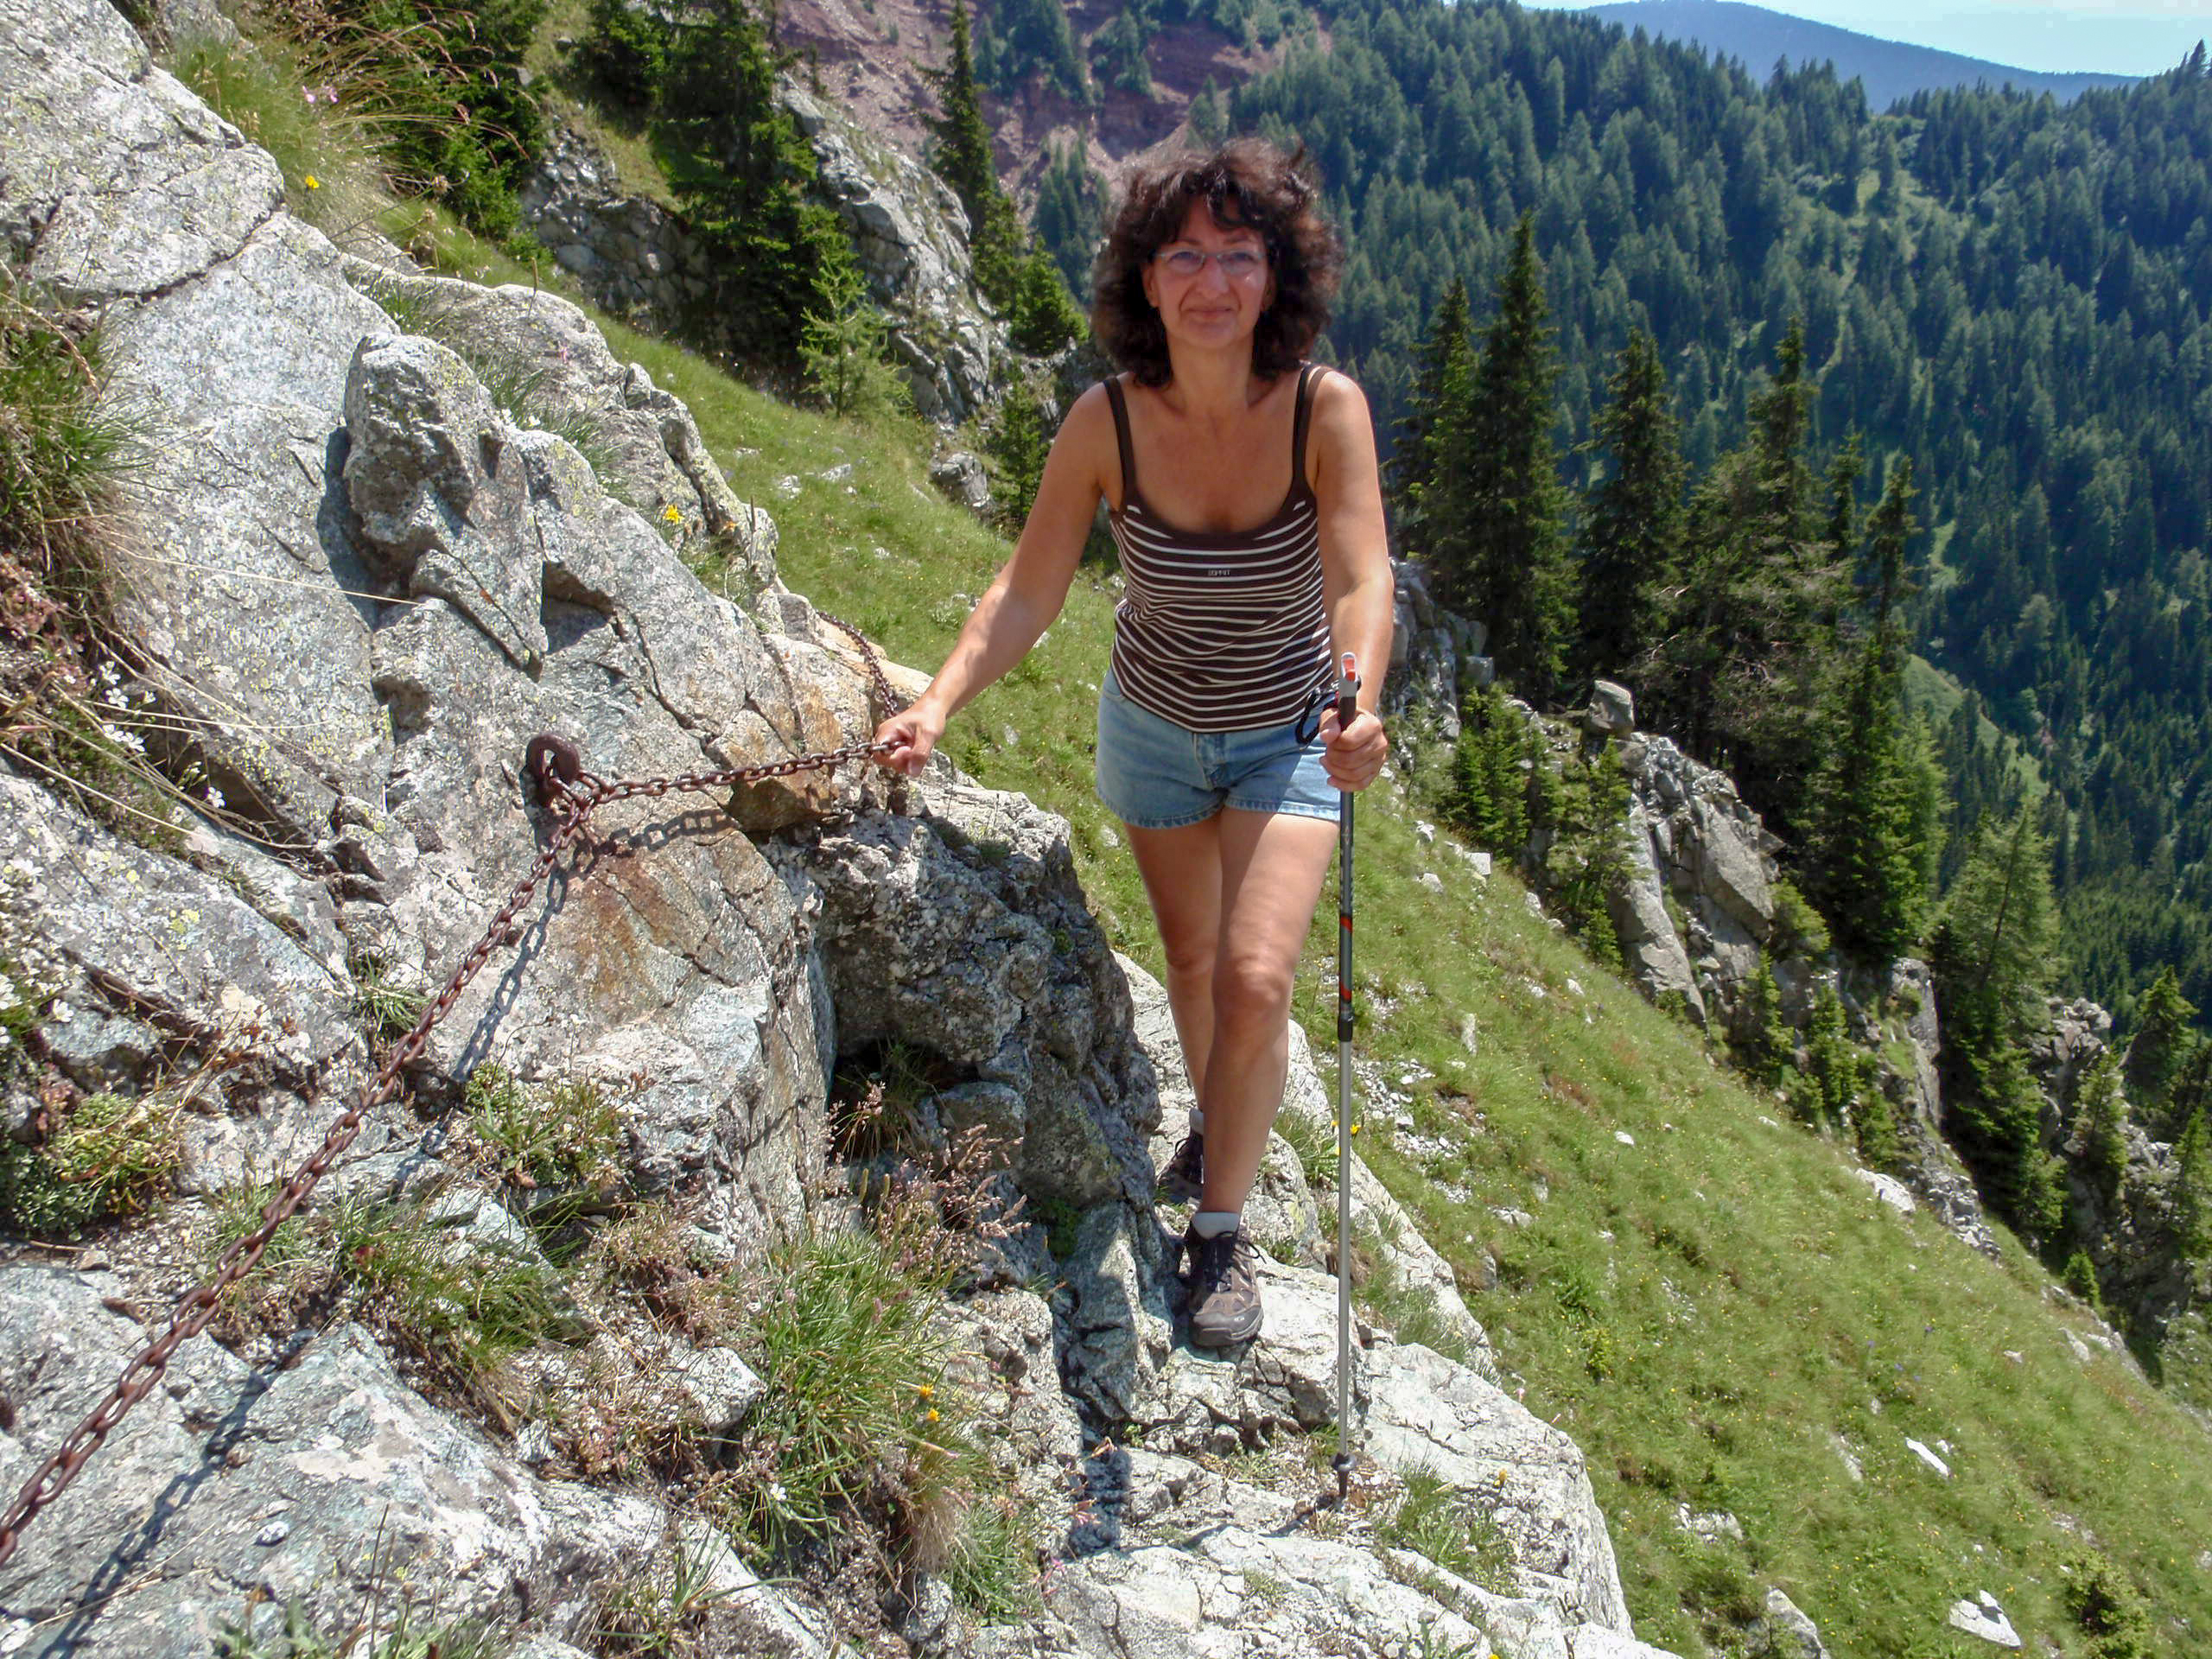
(1252, 991)
(1189, 958)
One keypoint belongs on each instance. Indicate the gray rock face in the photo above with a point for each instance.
(962, 933)
(632, 253)
(1428, 1413)
(550, 359)
(1642, 922)
(275, 1482)
(119, 181)
(961, 476)
(911, 236)
(160, 957)
(1612, 709)
(1713, 854)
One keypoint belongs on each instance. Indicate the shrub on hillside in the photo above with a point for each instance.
(444, 81)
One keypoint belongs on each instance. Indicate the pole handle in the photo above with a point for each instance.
(1347, 690)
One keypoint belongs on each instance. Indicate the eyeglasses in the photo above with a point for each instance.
(1238, 264)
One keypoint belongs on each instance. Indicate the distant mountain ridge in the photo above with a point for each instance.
(1889, 69)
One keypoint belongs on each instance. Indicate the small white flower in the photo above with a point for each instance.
(214, 797)
(60, 1010)
(776, 1492)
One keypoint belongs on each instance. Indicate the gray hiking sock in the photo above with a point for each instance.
(1212, 1223)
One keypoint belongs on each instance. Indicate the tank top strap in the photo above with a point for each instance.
(1121, 436)
(1307, 374)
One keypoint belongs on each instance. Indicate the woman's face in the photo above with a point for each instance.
(1223, 299)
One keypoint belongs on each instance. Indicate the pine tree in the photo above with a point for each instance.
(1492, 796)
(1875, 1128)
(1761, 1040)
(1016, 277)
(1874, 831)
(1441, 376)
(2159, 1050)
(1739, 677)
(962, 153)
(1497, 525)
(1070, 203)
(1994, 956)
(742, 172)
(1208, 117)
(1844, 474)
(2193, 1189)
(2103, 1111)
(1633, 520)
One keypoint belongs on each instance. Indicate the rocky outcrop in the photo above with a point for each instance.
(269, 1484)
(1709, 853)
(2124, 1219)
(634, 254)
(1701, 909)
(1436, 659)
(1415, 1412)
(910, 234)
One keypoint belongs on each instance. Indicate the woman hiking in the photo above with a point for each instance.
(1242, 485)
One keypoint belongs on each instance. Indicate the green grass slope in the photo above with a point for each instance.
(1703, 1294)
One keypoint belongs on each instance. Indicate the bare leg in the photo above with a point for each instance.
(1182, 877)
(1263, 876)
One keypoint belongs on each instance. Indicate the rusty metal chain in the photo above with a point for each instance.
(555, 766)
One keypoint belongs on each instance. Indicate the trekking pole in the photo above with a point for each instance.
(1347, 691)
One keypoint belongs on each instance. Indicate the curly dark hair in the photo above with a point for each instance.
(1248, 182)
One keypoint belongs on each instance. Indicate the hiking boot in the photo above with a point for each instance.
(1185, 1171)
(1224, 1299)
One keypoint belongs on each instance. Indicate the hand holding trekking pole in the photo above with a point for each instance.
(1358, 744)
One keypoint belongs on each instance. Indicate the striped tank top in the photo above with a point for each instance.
(1221, 631)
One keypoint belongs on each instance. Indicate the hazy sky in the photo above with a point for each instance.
(2126, 37)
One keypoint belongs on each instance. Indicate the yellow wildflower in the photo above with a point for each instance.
(313, 182)
(672, 513)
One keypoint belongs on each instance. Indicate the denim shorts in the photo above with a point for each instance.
(1154, 774)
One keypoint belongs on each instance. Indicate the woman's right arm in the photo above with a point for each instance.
(1027, 592)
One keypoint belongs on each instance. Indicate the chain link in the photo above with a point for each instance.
(572, 795)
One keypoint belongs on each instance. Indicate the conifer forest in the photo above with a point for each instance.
(1759, 394)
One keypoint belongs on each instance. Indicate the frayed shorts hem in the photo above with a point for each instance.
(1155, 774)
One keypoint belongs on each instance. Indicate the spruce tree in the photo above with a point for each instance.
(1014, 276)
(1633, 520)
(1993, 956)
(742, 173)
(1739, 677)
(1844, 474)
(1441, 376)
(2159, 1050)
(2103, 1110)
(1761, 1039)
(1491, 799)
(2193, 1189)
(963, 155)
(1208, 117)
(1874, 829)
(1499, 540)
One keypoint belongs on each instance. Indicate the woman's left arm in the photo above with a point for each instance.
(1355, 581)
